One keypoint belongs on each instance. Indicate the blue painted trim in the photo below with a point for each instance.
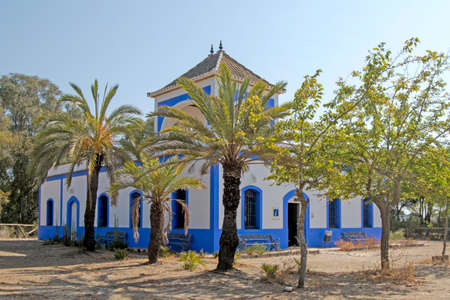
(173, 206)
(338, 213)
(50, 200)
(69, 213)
(317, 235)
(285, 241)
(64, 176)
(175, 100)
(61, 195)
(370, 213)
(99, 211)
(214, 207)
(141, 217)
(258, 207)
(39, 206)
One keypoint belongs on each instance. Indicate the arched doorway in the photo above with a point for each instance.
(291, 215)
(73, 216)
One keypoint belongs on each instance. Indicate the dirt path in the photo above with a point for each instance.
(29, 269)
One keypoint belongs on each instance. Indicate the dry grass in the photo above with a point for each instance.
(357, 245)
(403, 275)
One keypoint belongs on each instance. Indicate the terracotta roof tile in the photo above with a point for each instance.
(211, 65)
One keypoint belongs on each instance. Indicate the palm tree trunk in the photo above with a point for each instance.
(157, 223)
(229, 239)
(302, 240)
(385, 229)
(89, 213)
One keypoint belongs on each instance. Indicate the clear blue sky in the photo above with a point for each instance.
(143, 45)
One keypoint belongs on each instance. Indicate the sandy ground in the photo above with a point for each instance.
(31, 270)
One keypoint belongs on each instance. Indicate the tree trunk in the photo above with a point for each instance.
(229, 239)
(302, 240)
(91, 202)
(157, 224)
(385, 229)
(444, 238)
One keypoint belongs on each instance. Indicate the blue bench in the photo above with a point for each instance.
(264, 239)
(112, 236)
(353, 236)
(180, 240)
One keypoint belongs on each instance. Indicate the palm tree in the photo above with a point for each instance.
(157, 181)
(139, 135)
(91, 139)
(238, 121)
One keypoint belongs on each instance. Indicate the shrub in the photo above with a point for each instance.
(356, 245)
(237, 256)
(270, 271)
(397, 235)
(216, 254)
(191, 260)
(66, 239)
(117, 245)
(120, 254)
(256, 249)
(165, 251)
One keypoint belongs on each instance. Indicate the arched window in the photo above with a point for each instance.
(102, 211)
(177, 209)
(252, 208)
(136, 196)
(334, 213)
(367, 213)
(49, 212)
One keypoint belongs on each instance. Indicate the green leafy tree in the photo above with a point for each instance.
(92, 139)
(157, 181)
(405, 109)
(432, 181)
(237, 124)
(26, 103)
(302, 150)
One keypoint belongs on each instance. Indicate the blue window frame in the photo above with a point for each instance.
(177, 209)
(103, 209)
(367, 214)
(251, 207)
(133, 197)
(50, 210)
(334, 213)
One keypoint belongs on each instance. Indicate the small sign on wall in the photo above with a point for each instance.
(276, 212)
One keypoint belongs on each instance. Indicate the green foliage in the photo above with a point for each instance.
(165, 252)
(270, 271)
(237, 129)
(91, 138)
(191, 260)
(397, 235)
(157, 181)
(256, 249)
(26, 102)
(120, 254)
(402, 110)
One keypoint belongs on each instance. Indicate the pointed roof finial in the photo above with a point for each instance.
(220, 45)
(212, 49)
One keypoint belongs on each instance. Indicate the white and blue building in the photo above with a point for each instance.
(264, 208)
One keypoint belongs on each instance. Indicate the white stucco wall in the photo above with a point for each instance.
(376, 216)
(50, 190)
(317, 209)
(272, 196)
(78, 188)
(351, 213)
